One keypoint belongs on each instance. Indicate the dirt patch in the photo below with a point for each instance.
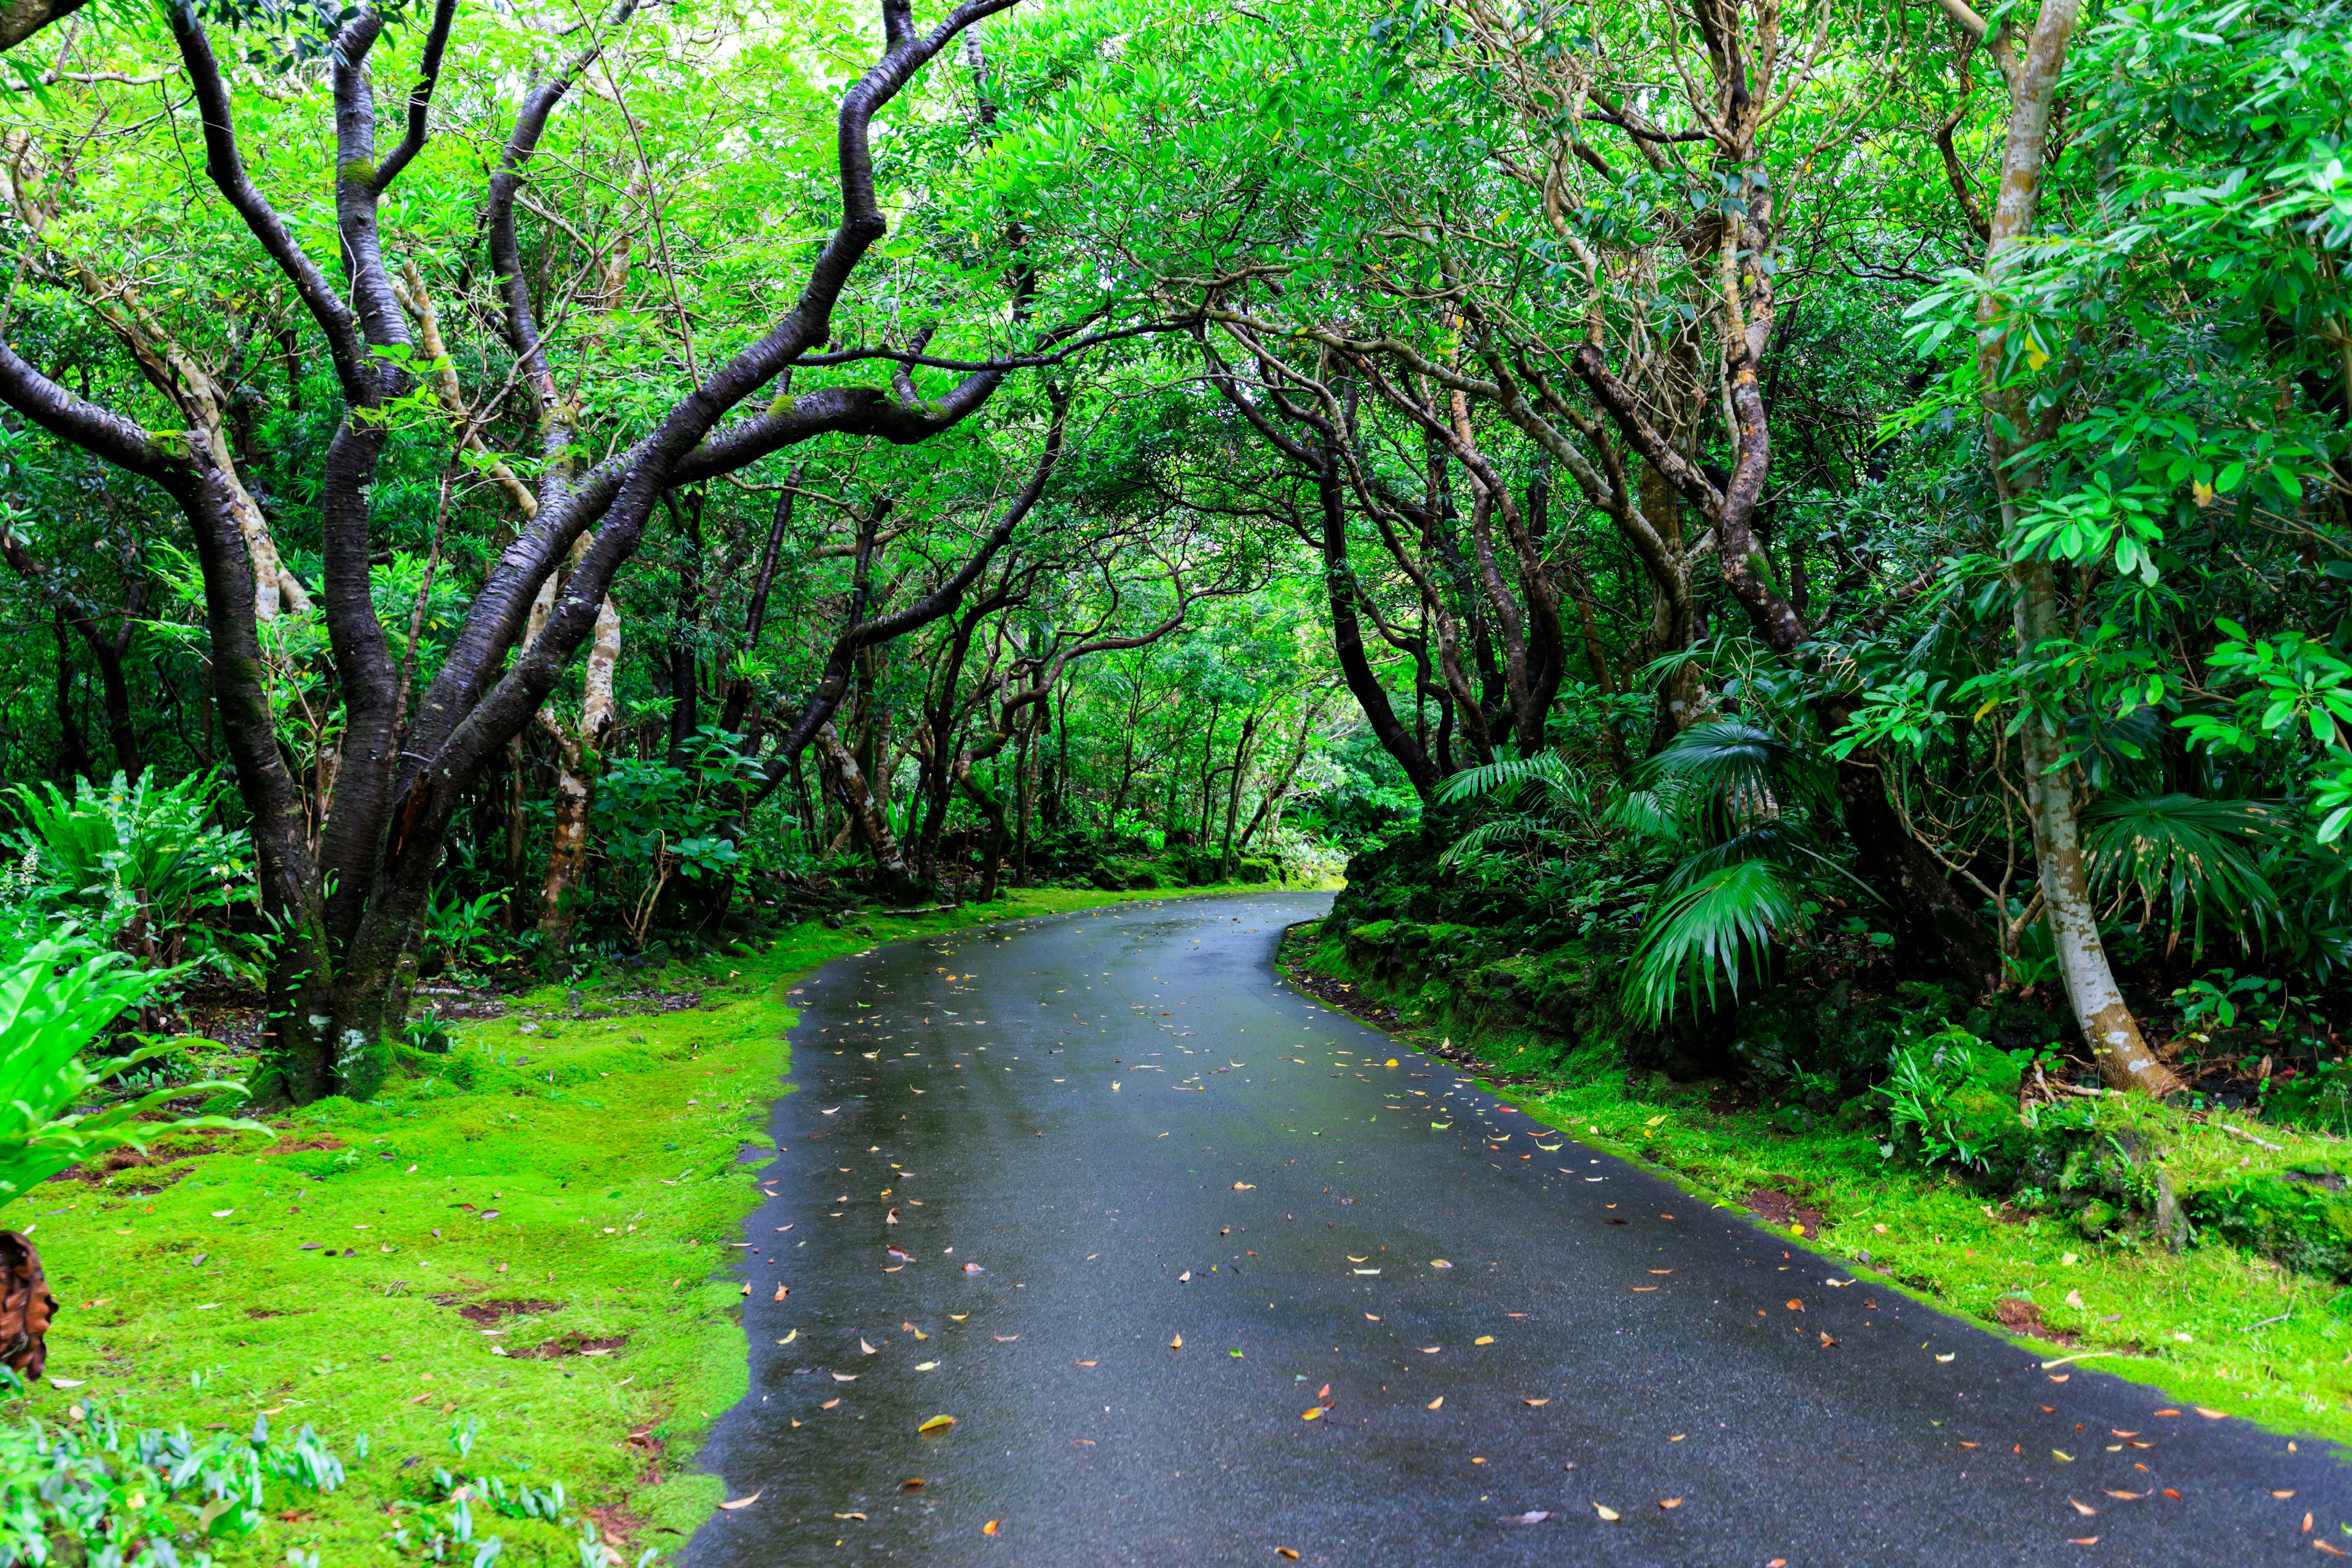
(2020, 1316)
(650, 1002)
(1780, 1210)
(453, 1004)
(492, 1312)
(102, 1172)
(570, 1345)
(306, 1146)
(615, 1525)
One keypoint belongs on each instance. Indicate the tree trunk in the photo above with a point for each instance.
(575, 792)
(866, 815)
(2100, 1012)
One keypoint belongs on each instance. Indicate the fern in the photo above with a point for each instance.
(1721, 923)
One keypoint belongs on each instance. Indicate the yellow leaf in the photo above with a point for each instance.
(1314, 1415)
(1436, 1402)
(937, 1423)
(988, 1528)
(1484, 1340)
(1604, 1511)
(743, 1502)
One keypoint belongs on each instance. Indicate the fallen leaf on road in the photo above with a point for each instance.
(743, 1502)
(1439, 1263)
(1484, 1340)
(2127, 1497)
(869, 1350)
(2287, 1494)
(1536, 1404)
(925, 1365)
(973, 1269)
(988, 1528)
(1430, 1350)
(1670, 1502)
(844, 1377)
(790, 1338)
(1006, 1339)
(2332, 1551)
(1372, 1317)
(2069, 1458)
(1796, 1306)
(2086, 1510)
(937, 1423)
(1314, 1415)
(2173, 1495)
(1605, 1511)
(958, 1316)
(2168, 1412)
(1828, 1342)
(2213, 1415)
(1947, 1357)
(911, 1484)
(1185, 1278)
(1285, 1551)
(1086, 1363)
(1365, 1258)
(856, 1516)
(828, 1112)
(2082, 1540)
(829, 1404)
(1244, 1187)
(1177, 1343)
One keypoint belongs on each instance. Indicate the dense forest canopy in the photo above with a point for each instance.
(1799, 494)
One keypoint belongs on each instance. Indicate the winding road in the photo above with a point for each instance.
(1206, 1273)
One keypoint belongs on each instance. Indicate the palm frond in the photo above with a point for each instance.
(1782, 842)
(1722, 921)
(1546, 767)
(1743, 770)
(2185, 856)
(1501, 830)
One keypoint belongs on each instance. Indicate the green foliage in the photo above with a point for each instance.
(134, 852)
(2184, 857)
(1952, 1097)
(1722, 923)
(56, 996)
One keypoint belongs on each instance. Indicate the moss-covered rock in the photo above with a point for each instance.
(2301, 1218)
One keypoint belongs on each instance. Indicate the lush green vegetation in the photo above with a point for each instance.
(1798, 550)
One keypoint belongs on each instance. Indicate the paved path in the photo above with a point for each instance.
(1102, 1135)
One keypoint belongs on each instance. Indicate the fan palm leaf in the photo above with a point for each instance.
(2184, 856)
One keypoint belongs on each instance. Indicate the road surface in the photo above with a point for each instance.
(1206, 1273)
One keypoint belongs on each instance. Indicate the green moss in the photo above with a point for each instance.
(579, 1174)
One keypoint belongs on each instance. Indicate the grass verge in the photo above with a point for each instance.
(510, 1267)
(2214, 1324)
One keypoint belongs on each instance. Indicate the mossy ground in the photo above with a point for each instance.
(573, 1172)
(2214, 1325)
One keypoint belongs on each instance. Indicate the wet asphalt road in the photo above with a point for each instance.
(1102, 1133)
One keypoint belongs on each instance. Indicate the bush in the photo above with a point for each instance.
(1953, 1098)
